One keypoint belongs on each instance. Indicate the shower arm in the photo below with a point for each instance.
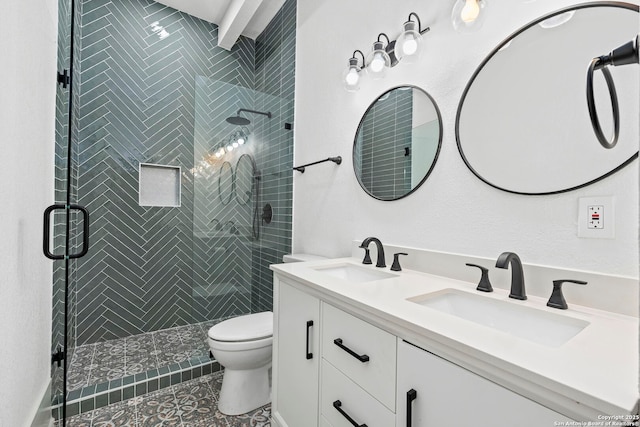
(268, 113)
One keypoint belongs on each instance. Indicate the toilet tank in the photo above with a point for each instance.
(301, 258)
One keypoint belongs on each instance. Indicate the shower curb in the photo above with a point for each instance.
(100, 395)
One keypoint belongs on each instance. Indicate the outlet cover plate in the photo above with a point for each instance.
(606, 222)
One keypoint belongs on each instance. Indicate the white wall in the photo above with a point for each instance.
(28, 31)
(453, 211)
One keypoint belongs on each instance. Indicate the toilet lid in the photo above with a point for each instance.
(244, 328)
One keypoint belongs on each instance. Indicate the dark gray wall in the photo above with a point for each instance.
(136, 104)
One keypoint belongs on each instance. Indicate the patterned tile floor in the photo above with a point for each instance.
(109, 360)
(189, 404)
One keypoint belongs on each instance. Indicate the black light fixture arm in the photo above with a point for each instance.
(361, 54)
(420, 30)
(337, 160)
(385, 36)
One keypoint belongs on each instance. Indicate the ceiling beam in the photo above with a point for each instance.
(235, 20)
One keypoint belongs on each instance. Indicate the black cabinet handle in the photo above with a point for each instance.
(363, 358)
(411, 396)
(309, 354)
(338, 405)
(47, 231)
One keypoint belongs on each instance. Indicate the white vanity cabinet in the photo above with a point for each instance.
(296, 356)
(334, 369)
(435, 392)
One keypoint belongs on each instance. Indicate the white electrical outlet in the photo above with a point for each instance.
(596, 217)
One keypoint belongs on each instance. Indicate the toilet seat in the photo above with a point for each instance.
(250, 327)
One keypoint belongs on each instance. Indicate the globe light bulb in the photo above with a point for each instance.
(241, 140)
(377, 63)
(470, 11)
(352, 77)
(410, 46)
(409, 43)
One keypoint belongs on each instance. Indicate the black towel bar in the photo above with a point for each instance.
(337, 160)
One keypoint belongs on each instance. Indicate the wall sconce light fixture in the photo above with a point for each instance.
(351, 76)
(405, 48)
(242, 135)
(468, 15)
(379, 60)
(409, 44)
(234, 141)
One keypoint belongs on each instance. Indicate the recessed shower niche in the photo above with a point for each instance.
(159, 185)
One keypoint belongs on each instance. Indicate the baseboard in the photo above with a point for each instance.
(43, 417)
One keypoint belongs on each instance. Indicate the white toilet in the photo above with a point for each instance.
(243, 346)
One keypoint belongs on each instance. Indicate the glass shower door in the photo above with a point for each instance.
(66, 224)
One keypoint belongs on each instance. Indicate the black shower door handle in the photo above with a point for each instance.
(309, 354)
(47, 231)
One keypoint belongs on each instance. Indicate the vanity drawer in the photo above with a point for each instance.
(361, 351)
(324, 422)
(353, 401)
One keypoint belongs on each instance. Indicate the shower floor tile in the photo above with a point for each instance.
(114, 359)
(189, 404)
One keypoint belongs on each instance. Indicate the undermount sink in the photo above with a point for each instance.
(534, 325)
(355, 273)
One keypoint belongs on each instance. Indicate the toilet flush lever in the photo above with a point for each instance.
(557, 299)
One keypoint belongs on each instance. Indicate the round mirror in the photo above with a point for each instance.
(397, 143)
(244, 176)
(523, 123)
(225, 183)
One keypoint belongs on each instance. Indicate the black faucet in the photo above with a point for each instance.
(365, 245)
(517, 278)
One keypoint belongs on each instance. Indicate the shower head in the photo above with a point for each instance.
(241, 121)
(238, 121)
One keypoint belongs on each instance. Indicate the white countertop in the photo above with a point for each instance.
(593, 374)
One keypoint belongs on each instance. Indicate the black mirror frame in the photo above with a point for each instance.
(629, 6)
(231, 191)
(251, 164)
(435, 157)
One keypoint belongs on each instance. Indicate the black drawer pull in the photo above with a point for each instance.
(411, 396)
(363, 358)
(337, 404)
(309, 325)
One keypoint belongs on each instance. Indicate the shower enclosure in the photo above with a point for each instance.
(177, 236)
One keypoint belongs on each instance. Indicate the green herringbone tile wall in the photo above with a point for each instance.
(136, 102)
